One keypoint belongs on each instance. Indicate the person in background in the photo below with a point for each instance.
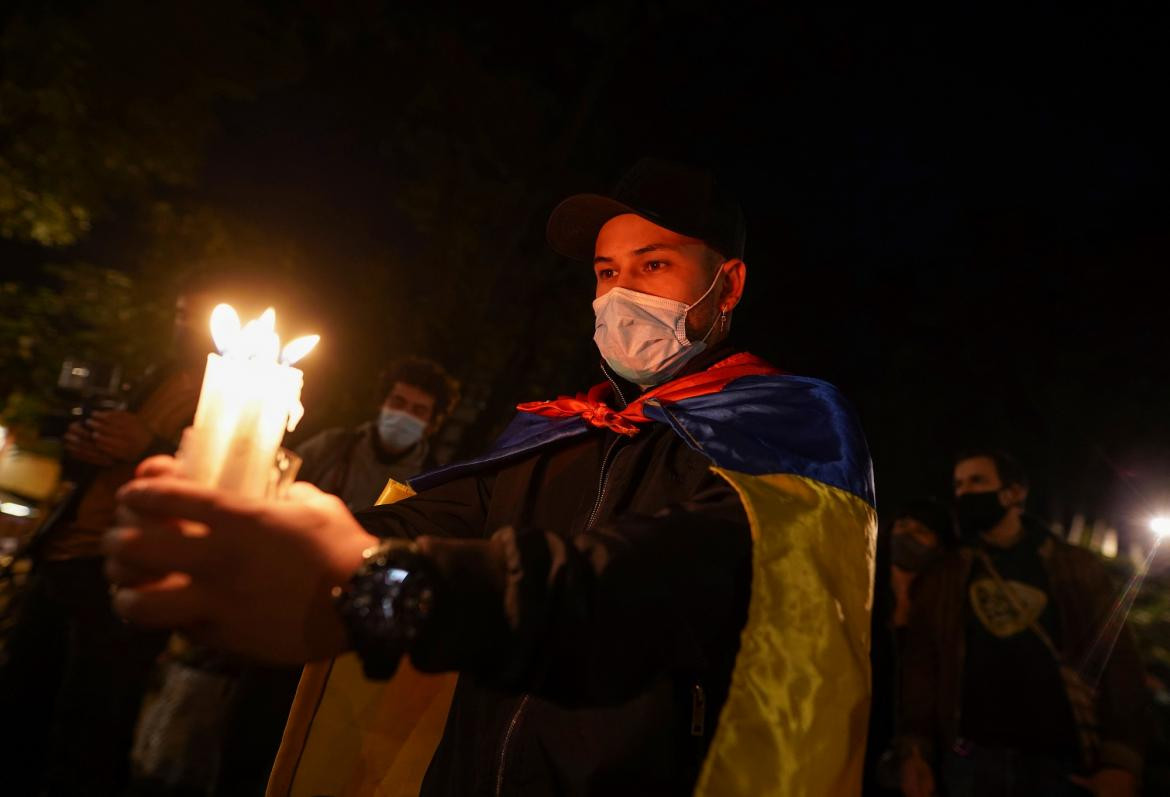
(920, 532)
(999, 695)
(74, 674)
(355, 464)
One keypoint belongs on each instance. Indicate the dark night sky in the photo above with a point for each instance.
(958, 220)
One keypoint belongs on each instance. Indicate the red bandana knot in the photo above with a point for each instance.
(604, 417)
(591, 407)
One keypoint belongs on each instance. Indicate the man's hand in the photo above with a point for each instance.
(917, 777)
(1111, 782)
(80, 445)
(120, 434)
(252, 577)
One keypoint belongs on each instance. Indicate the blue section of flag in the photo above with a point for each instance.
(526, 433)
(757, 425)
(776, 424)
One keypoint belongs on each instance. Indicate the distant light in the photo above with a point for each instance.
(1160, 526)
(16, 510)
(82, 372)
(1109, 544)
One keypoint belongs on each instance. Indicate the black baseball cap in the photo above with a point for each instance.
(681, 198)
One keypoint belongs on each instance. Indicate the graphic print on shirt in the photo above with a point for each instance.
(996, 612)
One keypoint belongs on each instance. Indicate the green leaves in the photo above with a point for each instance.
(80, 310)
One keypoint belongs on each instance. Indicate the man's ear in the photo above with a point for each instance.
(734, 278)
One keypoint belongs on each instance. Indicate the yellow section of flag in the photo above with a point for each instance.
(795, 719)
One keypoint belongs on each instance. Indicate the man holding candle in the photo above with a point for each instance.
(591, 577)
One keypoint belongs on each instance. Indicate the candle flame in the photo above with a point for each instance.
(225, 327)
(296, 349)
(256, 340)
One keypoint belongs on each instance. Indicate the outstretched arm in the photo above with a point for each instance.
(594, 617)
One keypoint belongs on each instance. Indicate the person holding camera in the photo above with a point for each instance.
(72, 674)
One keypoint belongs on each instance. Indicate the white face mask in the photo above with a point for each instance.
(642, 337)
(399, 430)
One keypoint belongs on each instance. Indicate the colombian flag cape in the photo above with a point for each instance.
(795, 719)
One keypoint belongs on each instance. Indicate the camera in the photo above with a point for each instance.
(92, 386)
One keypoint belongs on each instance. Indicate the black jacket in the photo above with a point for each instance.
(599, 664)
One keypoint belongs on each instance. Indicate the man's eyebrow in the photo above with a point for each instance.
(642, 250)
(654, 248)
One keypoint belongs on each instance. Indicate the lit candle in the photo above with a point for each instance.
(251, 395)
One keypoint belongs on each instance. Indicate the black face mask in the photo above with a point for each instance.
(909, 553)
(978, 512)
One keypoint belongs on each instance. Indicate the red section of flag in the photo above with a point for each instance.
(592, 407)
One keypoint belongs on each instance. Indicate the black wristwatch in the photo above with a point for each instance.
(387, 604)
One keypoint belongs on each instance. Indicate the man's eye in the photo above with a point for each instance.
(605, 273)
(654, 265)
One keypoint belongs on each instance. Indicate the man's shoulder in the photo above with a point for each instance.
(328, 438)
(788, 400)
(1073, 559)
(777, 423)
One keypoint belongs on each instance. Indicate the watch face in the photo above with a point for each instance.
(388, 600)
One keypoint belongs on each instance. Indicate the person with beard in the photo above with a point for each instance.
(355, 464)
(994, 696)
(73, 673)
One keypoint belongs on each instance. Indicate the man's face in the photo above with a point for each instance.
(412, 400)
(979, 475)
(638, 255)
(976, 475)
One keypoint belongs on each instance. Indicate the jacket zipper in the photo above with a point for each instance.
(602, 482)
(613, 382)
(698, 709)
(603, 475)
(504, 747)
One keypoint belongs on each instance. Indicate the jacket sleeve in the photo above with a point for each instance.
(596, 617)
(456, 509)
(1123, 708)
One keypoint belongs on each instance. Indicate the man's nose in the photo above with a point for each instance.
(626, 279)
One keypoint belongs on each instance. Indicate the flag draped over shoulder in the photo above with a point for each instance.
(795, 719)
